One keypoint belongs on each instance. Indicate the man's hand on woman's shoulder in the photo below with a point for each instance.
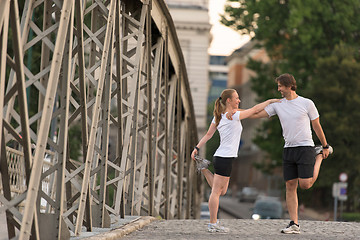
(230, 114)
(274, 100)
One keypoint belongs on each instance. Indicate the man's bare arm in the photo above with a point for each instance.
(320, 134)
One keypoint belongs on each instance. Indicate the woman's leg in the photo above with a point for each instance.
(209, 176)
(219, 184)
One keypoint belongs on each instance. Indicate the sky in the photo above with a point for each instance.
(225, 40)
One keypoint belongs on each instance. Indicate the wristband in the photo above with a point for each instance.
(326, 146)
(198, 149)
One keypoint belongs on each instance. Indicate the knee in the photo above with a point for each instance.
(219, 192)
(291, 186)
(216, 192)
(223, 192)
(305, 185)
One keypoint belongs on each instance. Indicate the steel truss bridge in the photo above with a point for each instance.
(107, 66)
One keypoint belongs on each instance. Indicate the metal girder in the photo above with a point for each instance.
(107, 66)
(4, 25)
(15, 63)
(49, 99)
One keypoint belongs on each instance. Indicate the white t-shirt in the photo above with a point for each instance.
(295, 116)
(230, 134)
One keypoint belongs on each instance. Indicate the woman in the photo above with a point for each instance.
(230, 133)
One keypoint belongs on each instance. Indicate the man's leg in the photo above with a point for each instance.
(317, 166)
(318, 160)
(309, 182)
(292, 199)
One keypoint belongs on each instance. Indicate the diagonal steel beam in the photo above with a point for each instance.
(4, 25)
(85, 184)
(45, 121)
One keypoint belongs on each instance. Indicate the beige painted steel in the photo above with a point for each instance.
(105, 66)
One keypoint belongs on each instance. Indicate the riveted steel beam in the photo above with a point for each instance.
(111, 68)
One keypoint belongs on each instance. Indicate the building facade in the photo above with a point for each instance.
(192, 24)
(218, 77)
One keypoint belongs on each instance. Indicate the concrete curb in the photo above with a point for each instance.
(124, 230)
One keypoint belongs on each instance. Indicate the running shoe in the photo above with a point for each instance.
(291, 228)
(216, 227)
(201, 163)
(319, 150)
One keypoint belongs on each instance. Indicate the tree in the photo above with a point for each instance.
(296, 33)
(336, 89)
(306, 38)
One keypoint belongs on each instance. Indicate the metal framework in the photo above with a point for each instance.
(106, 66)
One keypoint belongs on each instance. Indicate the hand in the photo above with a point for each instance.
(325, 153)
(274, 100)
(229, 114)
(194, 152)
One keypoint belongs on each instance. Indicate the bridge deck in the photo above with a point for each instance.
(151, 228)
(246, 229)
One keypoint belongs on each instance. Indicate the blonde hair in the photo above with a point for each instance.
(220, 104)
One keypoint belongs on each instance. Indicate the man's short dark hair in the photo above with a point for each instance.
(287, 80)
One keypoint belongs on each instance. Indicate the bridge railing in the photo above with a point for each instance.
(15, 162)
(114, 68)
(17, 177)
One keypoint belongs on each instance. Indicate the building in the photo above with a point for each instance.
(218, 77)
(191, 19)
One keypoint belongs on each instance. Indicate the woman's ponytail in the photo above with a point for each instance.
(220, 104)
(218, 109)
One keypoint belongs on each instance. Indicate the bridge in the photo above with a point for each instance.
(109, 66)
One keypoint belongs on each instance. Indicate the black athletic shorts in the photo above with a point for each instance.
(223, 165)
(298, 162)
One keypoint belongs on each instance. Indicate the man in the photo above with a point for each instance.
(301, 161)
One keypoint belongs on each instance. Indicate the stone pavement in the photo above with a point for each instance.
(148, 228)
(245, 229)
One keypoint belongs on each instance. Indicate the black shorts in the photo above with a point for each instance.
(298, 162)
(223, 165)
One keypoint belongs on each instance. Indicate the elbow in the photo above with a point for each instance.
(254, 110)
(257, 111)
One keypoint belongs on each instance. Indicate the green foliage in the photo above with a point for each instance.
(336, 90)
(351, 217)
(317, 42)
(75, 141)
(295, 33)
